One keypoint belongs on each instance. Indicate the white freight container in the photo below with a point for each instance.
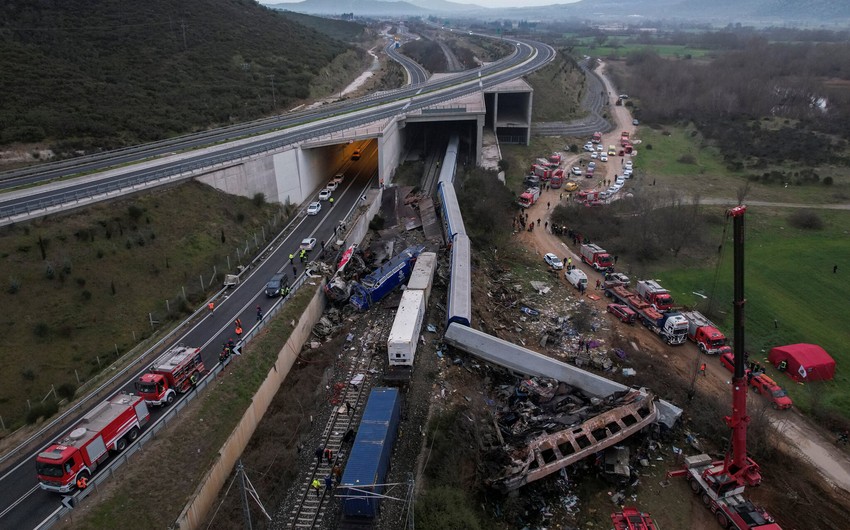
(422, 277)
(404, 335)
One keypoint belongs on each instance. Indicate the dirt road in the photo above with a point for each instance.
(812, 442)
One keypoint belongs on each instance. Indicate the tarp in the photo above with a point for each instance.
(806, 362)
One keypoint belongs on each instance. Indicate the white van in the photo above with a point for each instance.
(577, 278)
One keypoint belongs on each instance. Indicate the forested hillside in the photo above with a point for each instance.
(86, 75)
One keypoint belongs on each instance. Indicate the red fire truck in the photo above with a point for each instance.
(170, 375)
(110, 426)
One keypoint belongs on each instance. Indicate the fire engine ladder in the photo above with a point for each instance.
(310, 509)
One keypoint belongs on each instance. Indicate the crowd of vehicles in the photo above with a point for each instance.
(761, 383)
(671, 326)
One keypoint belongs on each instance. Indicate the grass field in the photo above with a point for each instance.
(83, 285)
(621, 50)
(678, 159)
(792, 294)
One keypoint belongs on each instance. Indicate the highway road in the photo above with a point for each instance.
(22, 503)
(18, 487)
(529, 56)
(416, 74)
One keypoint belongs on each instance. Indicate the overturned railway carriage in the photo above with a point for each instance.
(449, 208)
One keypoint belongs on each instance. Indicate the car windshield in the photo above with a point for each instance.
(716, 343)
(49, 470)
(273, 285)
(779, 393)
(147, 388)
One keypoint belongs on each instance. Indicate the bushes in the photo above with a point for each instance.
(806, 220)
(42, 410)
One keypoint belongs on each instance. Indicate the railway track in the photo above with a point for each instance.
(353, 388)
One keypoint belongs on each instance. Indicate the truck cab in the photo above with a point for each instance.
(710, 340)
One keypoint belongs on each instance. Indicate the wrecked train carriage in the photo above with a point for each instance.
(548, 453)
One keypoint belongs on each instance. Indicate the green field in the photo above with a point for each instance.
(792, 294)
(612, 48)
(679, 159)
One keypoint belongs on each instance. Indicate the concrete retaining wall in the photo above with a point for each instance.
(206, 494)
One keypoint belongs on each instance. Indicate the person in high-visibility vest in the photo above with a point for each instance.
(211, 306)
(238, 332)
(82, 482)
(331, 200)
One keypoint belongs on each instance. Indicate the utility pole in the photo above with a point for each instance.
(274, 98)
(246, 510)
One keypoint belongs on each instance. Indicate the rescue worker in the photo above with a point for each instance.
(238, 322)
(331, 200)
(259, 313)
(291, 257)
(317, 486)
(702, 369)
(211, 307)
(783, 365)
(238, 332)
(82, 482)
(329, 483)
(194, 378)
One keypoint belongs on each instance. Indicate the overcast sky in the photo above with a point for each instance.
(485, 3)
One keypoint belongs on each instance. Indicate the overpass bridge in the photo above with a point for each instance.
(288, 158)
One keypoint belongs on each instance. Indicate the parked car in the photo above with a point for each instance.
(588, 146)
(308, 243)
(331, 186)
(628, 173)
(314, 208)
(576, 171)
(591, 165)
(635, 122)
(623, 96)
(570, 186)
(278, 284)
(621, 180)
(338, 178)
(600, 148)
(628, 164)
(553, 261)
(325, 194)
(603, 157)
(623, 313)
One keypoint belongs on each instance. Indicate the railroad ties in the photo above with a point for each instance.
(309, 511)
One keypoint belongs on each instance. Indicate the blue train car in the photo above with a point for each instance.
(373, 287)
(460, 285)
(370, 455)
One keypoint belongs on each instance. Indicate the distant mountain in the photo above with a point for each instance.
(360, 8)
(716, 11)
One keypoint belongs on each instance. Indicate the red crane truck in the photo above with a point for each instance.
(702, 331)
(657, 296)
(721, 484)
(632, 519)
(596, 257)
(527, 199)
(170, 375)
(110, 426)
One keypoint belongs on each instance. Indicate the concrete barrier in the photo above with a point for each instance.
(205, 495)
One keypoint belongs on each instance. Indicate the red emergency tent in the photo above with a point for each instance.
(805, 362)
